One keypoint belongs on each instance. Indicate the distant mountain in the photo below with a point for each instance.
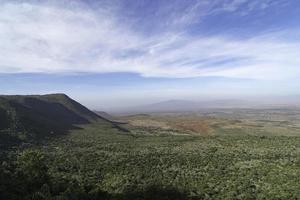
(228, 103)
(168, 106)
(185, 105)
(36, 116)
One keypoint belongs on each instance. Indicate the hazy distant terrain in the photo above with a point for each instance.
(279, 121)
(193, 106)
(224, 153)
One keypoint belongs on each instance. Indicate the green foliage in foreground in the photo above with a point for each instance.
(100, 163)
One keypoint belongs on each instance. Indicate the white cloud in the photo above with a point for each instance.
(233, 5)
(54, 39)
(240, 7)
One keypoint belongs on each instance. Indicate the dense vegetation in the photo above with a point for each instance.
(99, 160)
(100, 163)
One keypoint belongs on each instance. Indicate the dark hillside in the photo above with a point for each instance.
(37, 116)
(62, 99)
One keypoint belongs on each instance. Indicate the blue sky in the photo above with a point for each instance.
(118, 53)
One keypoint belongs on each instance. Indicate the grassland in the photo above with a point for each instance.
(162, 159)
(268, 122)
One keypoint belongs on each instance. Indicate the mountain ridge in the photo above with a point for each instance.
(39, 116)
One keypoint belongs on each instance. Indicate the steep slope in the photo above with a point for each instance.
(36, 116)
(105, 115)
(113, 119)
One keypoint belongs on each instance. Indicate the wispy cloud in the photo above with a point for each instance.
(52, 38)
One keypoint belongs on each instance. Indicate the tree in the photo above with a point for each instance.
(31, 165)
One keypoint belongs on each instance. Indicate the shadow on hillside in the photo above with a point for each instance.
(33, 120)
(156, 192)
(46, 118)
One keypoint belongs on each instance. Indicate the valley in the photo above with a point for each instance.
(208, 154)
(212, 122)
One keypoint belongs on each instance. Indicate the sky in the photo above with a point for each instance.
(118, 53)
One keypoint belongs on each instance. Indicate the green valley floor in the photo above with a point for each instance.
(101, 162)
